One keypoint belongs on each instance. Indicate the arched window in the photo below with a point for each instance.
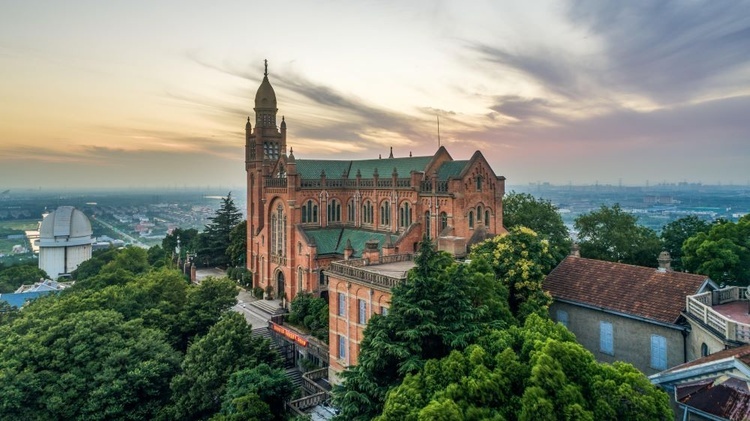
(427, 224)
(405, 215)
(385, 213)
(487, 218)
(367, 212)
(334, 211)
(471, 219)
(479, 183)
(443, 221)
(309, 212)
(350, 211)
(278, 232)
(479, 214)
(704, 350)
(300, 276)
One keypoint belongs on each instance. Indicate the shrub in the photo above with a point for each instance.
(258, 292)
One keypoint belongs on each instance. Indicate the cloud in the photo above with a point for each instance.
(668, 51)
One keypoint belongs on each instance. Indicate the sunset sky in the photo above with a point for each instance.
(156, 93)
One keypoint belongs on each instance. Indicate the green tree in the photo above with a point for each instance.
(533, 372)
(524, 210)
(436, 310)
(613, 235)
(215, 239)
(520, 261)
(269, 384)
(311, 313)
(237, 249)
(86, 365)
(674, 234)
(723, 253)
(187, 241)
(228, 347)
(205, 305)
(22, 274)
(94, 265)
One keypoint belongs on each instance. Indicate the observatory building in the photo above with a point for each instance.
(64, 241)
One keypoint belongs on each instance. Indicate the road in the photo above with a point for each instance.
(124, 236)
(256, 317)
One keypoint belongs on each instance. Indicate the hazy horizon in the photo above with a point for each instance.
(144, 94)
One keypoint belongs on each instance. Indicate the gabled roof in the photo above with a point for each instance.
(724, 396)
(634, 290)
(333, 240)
(451, 169)
(311, 168)
(741, 354)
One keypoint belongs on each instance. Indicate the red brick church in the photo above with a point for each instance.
(305, 213)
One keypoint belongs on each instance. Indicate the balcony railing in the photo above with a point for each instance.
(275, 182)
(356, 270)
(699, 306)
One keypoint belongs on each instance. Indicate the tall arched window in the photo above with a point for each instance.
(471, 219)
(487, 218)
(427, 224)
(479, 183)
(300, 276)
(405, 215)
(368, 212)
(350, 211)
(334, 211)
(443, 221)
(385, 213)
(479, 214)
(278, 232)
(309, 212)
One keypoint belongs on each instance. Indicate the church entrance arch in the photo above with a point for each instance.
(280, 284)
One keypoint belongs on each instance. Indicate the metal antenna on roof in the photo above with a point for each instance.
(438, 127)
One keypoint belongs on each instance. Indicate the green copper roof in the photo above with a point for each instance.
(333, 240)
(451, 169)
(311, 168)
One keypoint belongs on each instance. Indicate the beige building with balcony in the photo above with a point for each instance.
(629, 313)
(720, 319)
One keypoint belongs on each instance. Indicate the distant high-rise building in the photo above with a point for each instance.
(64, 241)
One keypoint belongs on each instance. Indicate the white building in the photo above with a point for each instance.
(64, 241)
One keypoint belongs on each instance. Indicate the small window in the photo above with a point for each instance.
(384, 311)
(362, 312)
(471, 219)
(606, 340)
(562, 317)
(658, 352)
(342, 347)
(487, 218)
(443, 221)
(342, 304)
(479, 183)
(704, 350)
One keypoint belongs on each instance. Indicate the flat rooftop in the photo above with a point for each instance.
(736, 311)
(393, 270)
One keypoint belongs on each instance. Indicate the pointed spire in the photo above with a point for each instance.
(283, 122)
(391, 155)
(409, 154)
(265, 64)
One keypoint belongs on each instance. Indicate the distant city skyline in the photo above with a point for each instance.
(155, 94)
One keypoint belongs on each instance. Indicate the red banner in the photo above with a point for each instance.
(289, 334)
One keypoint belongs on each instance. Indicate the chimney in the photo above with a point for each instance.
(371, 252)
(575, 250)
(665, 261)
(348, 250)
(389, 248)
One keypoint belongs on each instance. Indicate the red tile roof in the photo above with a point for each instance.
(635, 290)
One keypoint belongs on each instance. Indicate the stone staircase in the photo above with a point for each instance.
(271, 307)
(295, 376)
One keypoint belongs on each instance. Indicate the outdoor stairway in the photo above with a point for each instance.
(267, 306)
(295, 376)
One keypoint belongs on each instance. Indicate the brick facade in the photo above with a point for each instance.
(304, 214)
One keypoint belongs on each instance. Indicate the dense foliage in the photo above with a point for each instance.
(474, 341)
(131, 341)
(311, 313)
(14, 276)
(534, 372)
(675, 233)
(614, 235)
(525, 210)
(722, 253)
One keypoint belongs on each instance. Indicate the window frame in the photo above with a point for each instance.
(606, 338)
(658, 360)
